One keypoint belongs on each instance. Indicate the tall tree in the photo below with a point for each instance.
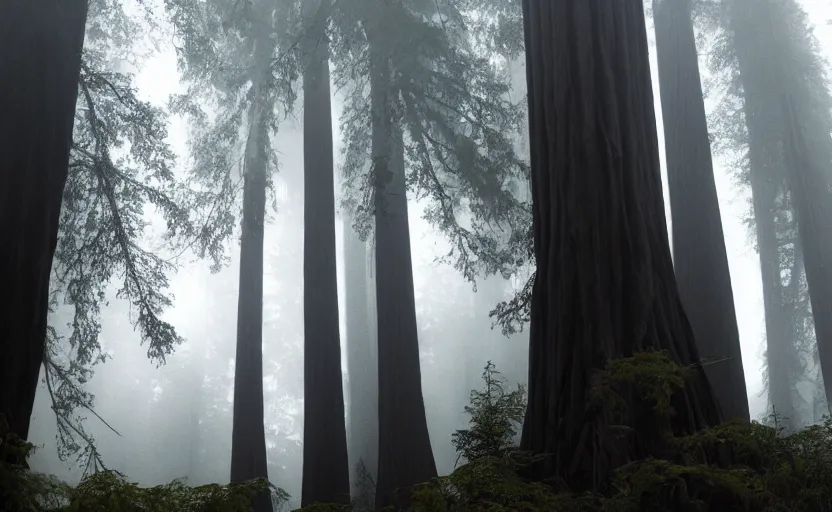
(428, 84)
(758, 163)
(404, 454)
(604, 286)
(248, 438)
(325, 465)
(40, 67)
(699, 256)
(786, 109)
(361, 357)
(228, 58)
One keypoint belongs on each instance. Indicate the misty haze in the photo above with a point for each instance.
(432, 255)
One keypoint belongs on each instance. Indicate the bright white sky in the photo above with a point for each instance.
(159, 79)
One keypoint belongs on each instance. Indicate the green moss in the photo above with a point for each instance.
(653, 373)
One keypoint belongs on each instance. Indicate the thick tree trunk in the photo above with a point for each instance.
(40, 67)
(248, 438)
(700, 259)
(405, 457)
(361, 360)
(604, 286)
(761, 64)
(325, 466)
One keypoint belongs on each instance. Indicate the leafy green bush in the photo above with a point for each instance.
(495, 416)
(767, 471)
(108, 491)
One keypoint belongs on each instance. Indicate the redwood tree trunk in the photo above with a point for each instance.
(604, 286)
(363, 381)
(700, 259)
(325, 467)
(764, 59)
(248, 437)
(808, 155)
(405, 457)
(40, 66)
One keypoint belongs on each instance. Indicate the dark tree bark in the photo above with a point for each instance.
(786, 158)
(40, 66)
(699, 256)
(248, 437)
(325, 467)
(405, 457)
(361, 358)
(604, 287)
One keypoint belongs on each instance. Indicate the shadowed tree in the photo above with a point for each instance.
(248, 437)
(437, 121)
(40, 67)
(785, 105)
(325, 465)
(699, 257)
(405, 457)
(604, 287)
(228, 58)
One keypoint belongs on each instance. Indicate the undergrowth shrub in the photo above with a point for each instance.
(22, 490)
(767, 471)
(495, 413)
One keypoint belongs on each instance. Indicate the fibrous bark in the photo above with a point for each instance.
(40, 66)
(405, 457)
(248, 438)
(699, 256)
(604, 287)
(325, 466)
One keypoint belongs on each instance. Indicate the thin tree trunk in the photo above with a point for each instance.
(40, 67)
(325, 466)
(363, 381)
(604, 286)
(248, 438)
(700, 259)
(195, 438)
(762, 86)
(808, 160)
(405, 457)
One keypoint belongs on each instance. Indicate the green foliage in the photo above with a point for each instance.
(653, 373)
(495, 414)
(21, 489)
(736, 466)
(108, 491)
(459, 128)
(120, 167)
(491, 484)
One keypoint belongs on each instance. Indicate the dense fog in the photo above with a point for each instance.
(175, 420)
